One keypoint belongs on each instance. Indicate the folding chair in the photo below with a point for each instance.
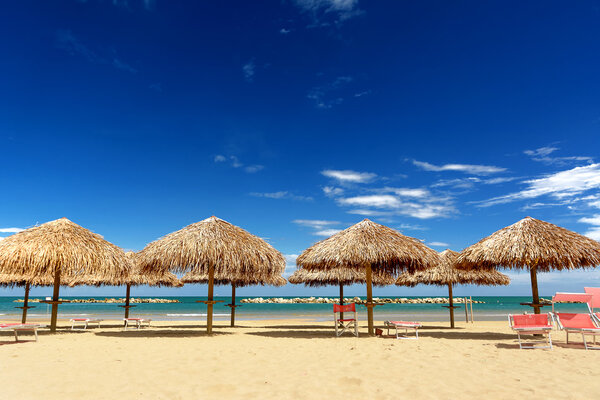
(579, 323)
(343, 324)
(532, 324)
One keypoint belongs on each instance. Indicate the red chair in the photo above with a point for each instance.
(343, 324)
(532, 324)
(583, 324)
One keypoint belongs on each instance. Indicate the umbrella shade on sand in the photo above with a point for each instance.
(216, 248)
(136, 278)
(445, 274)
(61, 248)
(275, 280)
(339, 277)
(534, 245)
(368, 247)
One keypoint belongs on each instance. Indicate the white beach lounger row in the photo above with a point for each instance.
(136, 322)
(18, 327)
(84, 322)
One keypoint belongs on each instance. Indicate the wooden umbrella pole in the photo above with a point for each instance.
(209, 308)
(370, 300)
(466, 311)
(127, 294)
(232, 305)
(534, 289)
(341, 299)
(25, 303)
(471, 306)
(451, 300)
(55, 300)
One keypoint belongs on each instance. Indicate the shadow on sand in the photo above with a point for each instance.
(163, 333)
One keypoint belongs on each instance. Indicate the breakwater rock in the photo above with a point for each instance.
(108, 300)
(357, 300)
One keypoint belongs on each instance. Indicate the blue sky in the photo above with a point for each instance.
(295, 119)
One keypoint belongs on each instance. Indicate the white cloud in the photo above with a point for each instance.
(542, 154)
(349, 175)
(327, 232)
(407, 192)
(411, 227)
(438, 244)
(11, 230)
(249, 70)
(284, 31)
(331, 191)
(560, 185)
(595, 220)
(594, 231)
(315, 223)
(236, 163)
(380, 201)
(370, 213)
(253, 168)
(468, 168)
(328, 95)
(284, 194)
(220, 158)
(423, 210)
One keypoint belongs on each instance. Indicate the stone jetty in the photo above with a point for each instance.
(357, 300)
(108, 300)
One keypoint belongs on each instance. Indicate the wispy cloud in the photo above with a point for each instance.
(290, 264)
(236, 163)
(349, 176)
(438, 244)
(467, 168)
(283, 194)
(328, 95)
(320, 227)
(426, 208)
(65, 40)
(249, 70)
(11, 230)
(332, 191)
(321, 11)
(543, 154)
(560, 185)
(594, 231)
(411, 227)
(284, 31)
(327, 232)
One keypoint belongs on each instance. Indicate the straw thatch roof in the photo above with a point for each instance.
(62, 245)
(10, 280)
(338, 276)
(136, 278)
(212, 242)
(532, 243)
(275, 280)
(446, 274)
(368, 243)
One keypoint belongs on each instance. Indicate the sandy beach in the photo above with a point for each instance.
(296, 359)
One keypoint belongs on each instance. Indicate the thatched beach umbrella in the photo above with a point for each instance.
(61, 248)
(367, 247)
(445, 274)
(136, 278)
(338, 277)
(216, 248)
(235, 282)
(534, 245)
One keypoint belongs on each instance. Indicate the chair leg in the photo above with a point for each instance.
(584, 342)
(16, 335)
(35, 333)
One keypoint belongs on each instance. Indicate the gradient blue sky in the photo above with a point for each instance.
(295, 119)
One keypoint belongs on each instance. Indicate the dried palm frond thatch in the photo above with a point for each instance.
(446, 274)
(368, 246)
(61, 248)
(215, 248)
(338, 276)
(534, 245)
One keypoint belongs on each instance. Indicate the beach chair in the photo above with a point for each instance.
(579, 323)
(561, 297)
(137, 322)
(595, 301)
(84, 322)
(343, 324)
(406, 325)
(532, 324)
(18, 327)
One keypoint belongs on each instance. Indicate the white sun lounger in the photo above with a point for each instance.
(18, 327)
(137, 322)
(84, 322)
(406, 325)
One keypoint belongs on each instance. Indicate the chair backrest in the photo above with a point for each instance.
(576, 320)
(595, 292)
(561, 297)
(345, 308)
(530, 320)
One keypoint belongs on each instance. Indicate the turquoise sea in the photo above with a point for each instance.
(494, 308)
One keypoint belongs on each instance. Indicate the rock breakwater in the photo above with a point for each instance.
(357, 300)
(108, 300)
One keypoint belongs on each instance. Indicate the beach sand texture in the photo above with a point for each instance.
(292, 359)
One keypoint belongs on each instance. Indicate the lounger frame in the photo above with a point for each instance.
(16, 328)
(406, 327)
(533, 330)
(582, 331)
(84, 322)
(136, 322)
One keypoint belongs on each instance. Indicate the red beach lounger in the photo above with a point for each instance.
(138, 322)
(595, 292)
(406, 325)
(84, 322)
(561, 297)
(532, 324)
(343, 324)
(18, 327)
(578, 323)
